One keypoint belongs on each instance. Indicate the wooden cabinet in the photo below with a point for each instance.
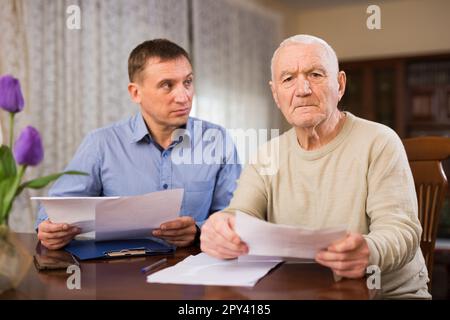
(411, 94)
(376, 91)
(428, 90)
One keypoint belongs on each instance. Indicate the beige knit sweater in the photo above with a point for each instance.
(360, 179)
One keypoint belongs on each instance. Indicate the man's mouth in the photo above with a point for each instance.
(306, 106)
(181, 111)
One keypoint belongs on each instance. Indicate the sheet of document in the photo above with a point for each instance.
(202, 269)
(76, 211)
(269, 239)
(108, 218)
(136, 216)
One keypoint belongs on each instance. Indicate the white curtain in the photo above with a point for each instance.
(233, 45)
(76, 80)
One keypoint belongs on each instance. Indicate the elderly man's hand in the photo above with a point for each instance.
(218, 238)
(180, 232)
(54, 236)
(347, 257)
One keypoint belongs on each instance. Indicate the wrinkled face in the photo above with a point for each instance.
(306, 84)
(165, 90)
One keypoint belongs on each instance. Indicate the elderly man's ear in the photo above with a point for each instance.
(342, 80)
(274, 94)
(133, 90)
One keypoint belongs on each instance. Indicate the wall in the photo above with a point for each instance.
(408, 27)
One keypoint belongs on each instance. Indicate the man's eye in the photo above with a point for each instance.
(285, 80)
(316, 75)
(166, 85)
(188, 82)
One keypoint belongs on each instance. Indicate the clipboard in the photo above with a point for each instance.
(91, 249)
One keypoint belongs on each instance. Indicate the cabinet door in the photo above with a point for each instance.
(375, 92)
(353, 100)
(384, 96)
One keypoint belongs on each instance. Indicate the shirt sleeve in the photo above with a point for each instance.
(226, 178)
(86, 159)
(394, 227)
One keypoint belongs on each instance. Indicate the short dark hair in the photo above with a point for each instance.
(156, 48)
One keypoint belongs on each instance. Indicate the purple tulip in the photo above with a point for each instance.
(28, 148)
(11, 98)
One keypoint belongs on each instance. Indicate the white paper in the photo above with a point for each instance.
(136, 216)
(276, 258)
(202, 269)
(75, 211)
(107, 218)
(269, 239)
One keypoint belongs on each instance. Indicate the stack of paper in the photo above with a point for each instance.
(269, 244)
(277, 240)
(205, 270)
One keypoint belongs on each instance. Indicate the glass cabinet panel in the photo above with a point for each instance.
(353, 97)
(384, 100)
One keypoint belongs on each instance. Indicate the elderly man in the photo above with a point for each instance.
(333, 169)
(137, 155)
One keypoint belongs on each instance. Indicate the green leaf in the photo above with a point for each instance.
(8, 187)
(7, 164)
(42, 182)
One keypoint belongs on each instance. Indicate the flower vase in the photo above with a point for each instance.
(15, 260)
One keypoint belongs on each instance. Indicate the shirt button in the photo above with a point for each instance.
(165, 186)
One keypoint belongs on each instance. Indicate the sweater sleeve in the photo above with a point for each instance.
(394, 228)
(250, 195)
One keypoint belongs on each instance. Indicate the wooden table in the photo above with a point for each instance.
(122, 279)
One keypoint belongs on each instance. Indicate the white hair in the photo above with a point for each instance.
(306, 39)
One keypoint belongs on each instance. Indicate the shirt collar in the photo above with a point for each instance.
(139, 128)
(141, 132)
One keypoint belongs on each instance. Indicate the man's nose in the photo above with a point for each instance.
(182, 95)
(303, 87)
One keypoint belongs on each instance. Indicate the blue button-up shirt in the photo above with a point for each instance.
(123, 159)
